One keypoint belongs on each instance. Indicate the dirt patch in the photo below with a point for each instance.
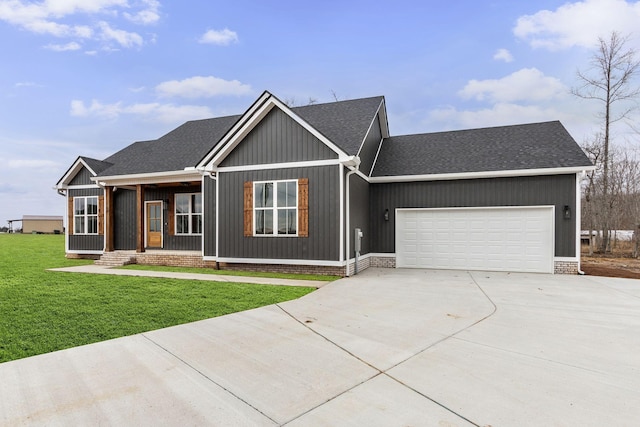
(618, 264)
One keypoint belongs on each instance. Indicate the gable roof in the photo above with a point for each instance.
(181, 148)
(506, 148)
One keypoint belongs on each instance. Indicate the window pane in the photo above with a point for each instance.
(79, 225)
(92, 205)
(292, 194)
(92, 225)
(282, 195)
(196, 203)
(259, 222)
(196, 224)
(182, 203)
(78, 204)
(268, 222)
(182, 224)
(292, 221)
(264, 195)
(282, 221)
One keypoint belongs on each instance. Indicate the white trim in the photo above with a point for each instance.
(73, 171)
(268, 166)
(375, 159)
(476, 175)
(325, 263)
(148, 178)
(217, 215)
(85, 252)
(275, 208)
(249, 121)
(341, 238)
(80, 187)
(146, 222)
(566, 259)
(204, 216)
(86, 216)
(190, 214)
(578, 216)
(382, 255)
(369, 128)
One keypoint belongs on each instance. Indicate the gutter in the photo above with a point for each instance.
(353, 163)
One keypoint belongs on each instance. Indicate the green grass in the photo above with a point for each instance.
(231, 272)
(43, 311)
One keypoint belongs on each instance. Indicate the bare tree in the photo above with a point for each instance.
(609, 81)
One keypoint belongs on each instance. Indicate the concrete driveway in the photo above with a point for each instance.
(385, 348)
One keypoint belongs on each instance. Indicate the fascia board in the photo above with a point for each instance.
(373, 120)
(72, 172)
(478, 175)
(250, 121)
(149, 178)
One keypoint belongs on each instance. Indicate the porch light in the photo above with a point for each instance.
(566, 212)
(386, 214)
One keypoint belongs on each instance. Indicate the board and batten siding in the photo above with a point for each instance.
(84, 242)
(278, 139)
(82, 178)
(124, 218)
(370, 147)
(359, 216)
(323, 242)
(209, 229)
(556, 190)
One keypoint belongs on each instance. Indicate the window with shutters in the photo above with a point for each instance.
(275, 206)
(188, 213)
(85, 215)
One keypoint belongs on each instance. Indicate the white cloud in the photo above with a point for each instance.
(64, 47)
(202, 87)
(53, 17)
(30, 164)
(527, 84)
(578, 23)
(166, 113)
(149, 15)
(123, 38)
(503, 55)
(221, 38)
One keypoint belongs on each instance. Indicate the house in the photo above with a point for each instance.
(281, 188)
(42, 224)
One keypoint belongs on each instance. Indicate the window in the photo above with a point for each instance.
(276, 208)
(85, 215)
(189, 213)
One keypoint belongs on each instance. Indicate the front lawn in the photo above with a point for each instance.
(43, 311)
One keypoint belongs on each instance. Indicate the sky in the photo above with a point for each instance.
(89, 77)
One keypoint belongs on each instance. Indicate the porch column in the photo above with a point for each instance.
(140, 218)
(108, 219)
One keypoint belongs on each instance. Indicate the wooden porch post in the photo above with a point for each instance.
(140, 218)
(108, 219)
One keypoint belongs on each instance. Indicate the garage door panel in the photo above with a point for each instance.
(504, 239)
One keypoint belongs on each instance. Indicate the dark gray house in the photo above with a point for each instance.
(282, 188)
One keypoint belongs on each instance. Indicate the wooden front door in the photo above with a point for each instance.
(154, 224)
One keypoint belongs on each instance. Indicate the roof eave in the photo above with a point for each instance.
(481, 174)
(189, 174)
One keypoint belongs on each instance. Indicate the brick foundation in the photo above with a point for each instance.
(383, 261)
(565, 267)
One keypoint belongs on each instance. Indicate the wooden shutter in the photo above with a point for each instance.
(248, 209)
(70, 216)
(303, 207)
(171, 211)
(101, 215)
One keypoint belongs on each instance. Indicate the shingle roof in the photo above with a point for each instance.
(529, 146)
(182, 147)
(345, 123)
(96, 165)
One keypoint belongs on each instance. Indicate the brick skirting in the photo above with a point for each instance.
(565, 267)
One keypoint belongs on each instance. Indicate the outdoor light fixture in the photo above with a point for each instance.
(386, 214)
(566, 212)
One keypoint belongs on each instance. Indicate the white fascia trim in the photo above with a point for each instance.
(578, 217)
(79, 187)
(479, 208)
(246, 125)
(477, 175)
(277, 261)
(382, 255)
(79, 164)
(148, 178)
(309, 164)
(375, 159)
(341, 208)
(79, 252)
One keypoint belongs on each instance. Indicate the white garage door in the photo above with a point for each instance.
(494, 239)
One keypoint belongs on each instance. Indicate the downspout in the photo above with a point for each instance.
(579, 177)
(353, 164)
(214, 176)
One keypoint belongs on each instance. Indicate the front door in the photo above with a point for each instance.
(154, 224)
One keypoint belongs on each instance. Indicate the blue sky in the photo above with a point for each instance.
(88, 77)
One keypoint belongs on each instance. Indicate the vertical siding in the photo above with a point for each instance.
(209, 194)
(278, 139)
(556, 190)
(82, 178)
(359, 214)
(324, 209)
(124, 218)
(370, 147)
(81, 242)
